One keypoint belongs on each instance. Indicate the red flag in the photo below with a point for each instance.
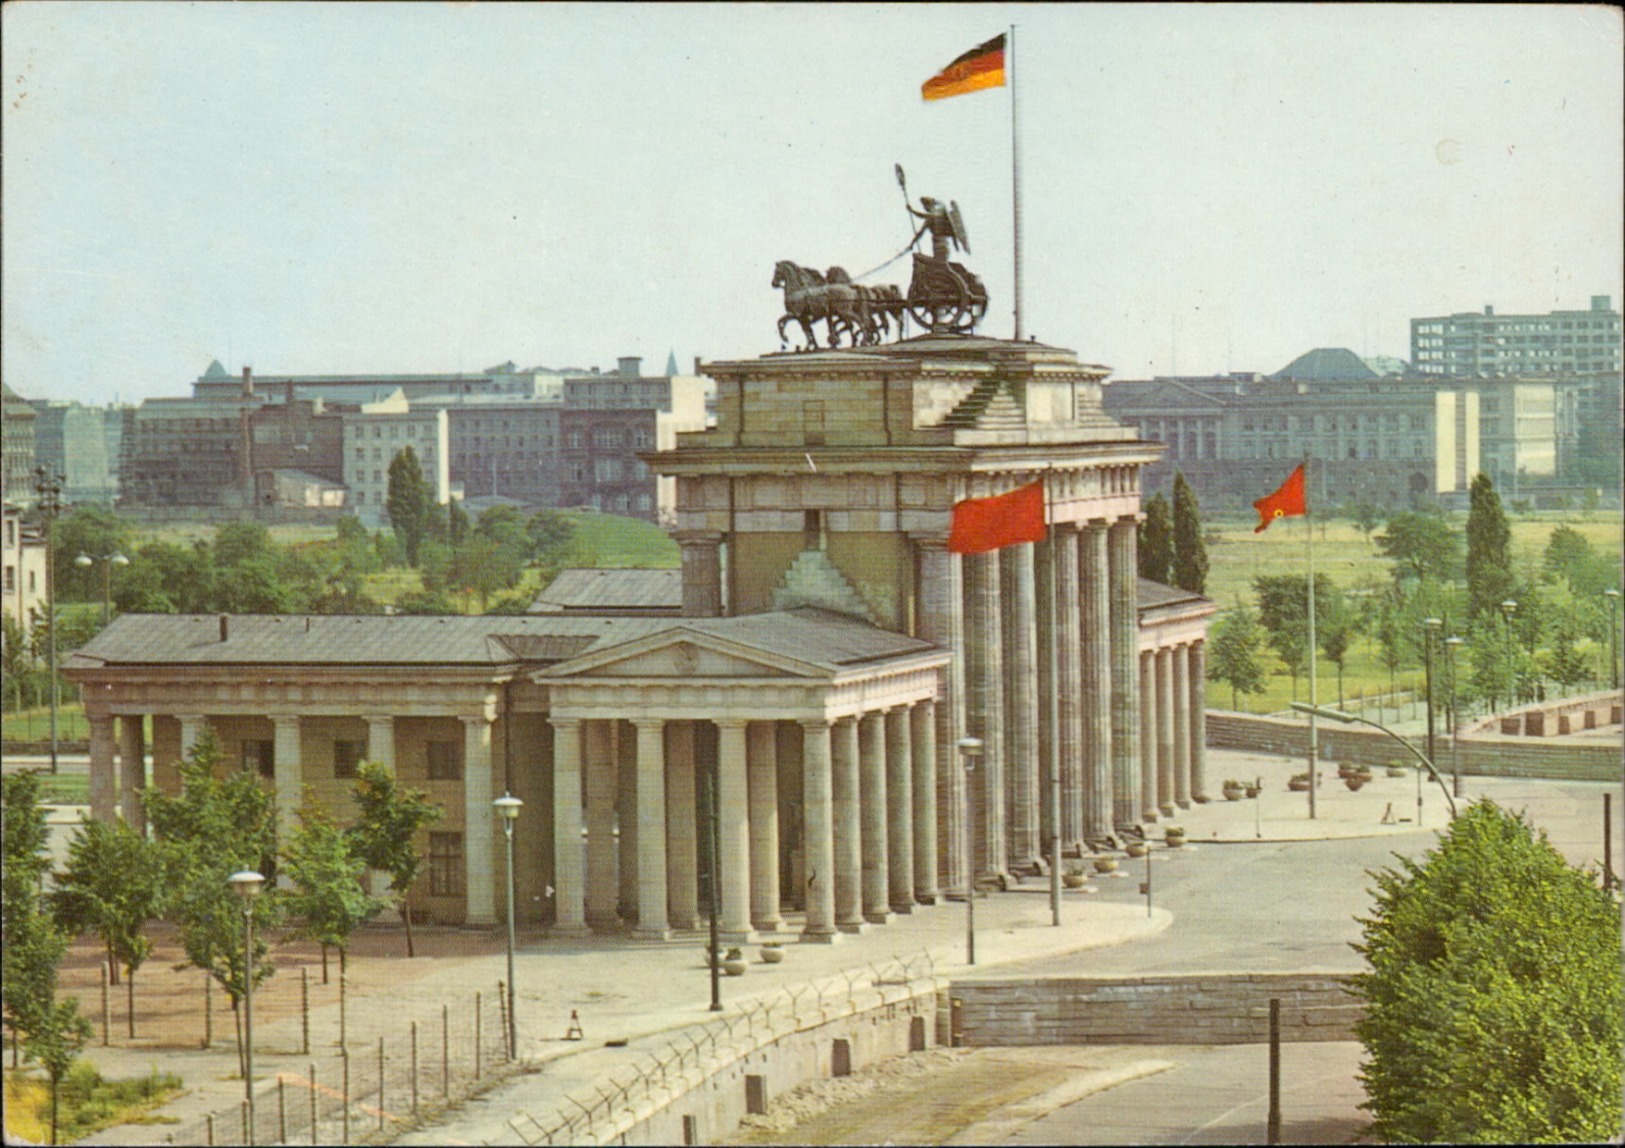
(1288, 500)
(983, 524)
(981, 67)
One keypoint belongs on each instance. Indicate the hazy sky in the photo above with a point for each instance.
(312, 187)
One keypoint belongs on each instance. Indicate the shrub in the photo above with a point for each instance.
(1493, 997)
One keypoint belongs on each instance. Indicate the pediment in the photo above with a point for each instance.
(682, 653)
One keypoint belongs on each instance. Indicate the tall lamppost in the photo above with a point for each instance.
(1508, 608)
(48, 487)
(970, 748)
(246, 884)
(1450, 645)
(108, 561)
(1613, 636)
(1340, 715)
(1430, 630)
(507, 807)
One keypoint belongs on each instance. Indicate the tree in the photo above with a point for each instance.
(92, 530)
(1569, 556)
(1564, 663)
(55, 1042)
(1283, 609)
(113, 886)
(1190, 553)
(1156, 542)
(33, 945)
(1367, 516)
(384, 834)
(1489, 548)
(1233, 654)
(409, 502)
(1335, 636)
(1420, 545)
(1493, 1001)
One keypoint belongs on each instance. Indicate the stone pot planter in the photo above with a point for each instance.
(1252, 792)
(1355, 781)
(1072, 880)
(1298, 784)
(1105, 864)
(1136, 849)
(734, 968)
(1173, 840)
(1234, 792)
(772, 954)
(1396, 771)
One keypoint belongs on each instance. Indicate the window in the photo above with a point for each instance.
(346, 756)
(260, 756)
(445, 864)
(445, 761)
(575, 440)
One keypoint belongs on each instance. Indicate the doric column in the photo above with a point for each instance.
(287, 753)
(1021, 705)
(817, 832)
(733, 833)
(132, 752)
(872, 814)
(1198, 725)
(985, 713)
(923, 745)
(1095, 579)
(899, 811)
(651, 797)
(1069, 683)
(1148, 736)
(600, 773)
(103, 777)
(762, 751)
(479, 827)
(192, 727)
(1045, 687)
(1182, 727)
(381, 740)
(939, 589)
(1165, 732)
(702, 572)
(1125, 643)
(626, 819)
(848, 829)
(682, 828)
(569, 870)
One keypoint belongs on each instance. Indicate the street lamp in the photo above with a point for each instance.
(1339, 715)
(970, 748)
(507, 807)
(48, 487)
(1430, 630)
(1508, 608)
(108, 561)
(1613, 635)
(1450, 646)
(246, 884)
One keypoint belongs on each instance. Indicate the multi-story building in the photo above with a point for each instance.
(187, 453)
(375, 434)
(17, 423)
(82, 444)
(24, 569)
(1485, 345)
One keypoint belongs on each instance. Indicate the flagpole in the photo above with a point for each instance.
(1015, 176)
(1309, 532)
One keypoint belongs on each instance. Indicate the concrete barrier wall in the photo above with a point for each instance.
(1202, 1009)
(1482, 755)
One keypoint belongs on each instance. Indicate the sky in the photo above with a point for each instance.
(376, 188)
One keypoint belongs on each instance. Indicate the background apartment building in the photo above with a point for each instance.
(375, 434)
(23, 562)
(1560, 342)
(17, 420)
(82, 444)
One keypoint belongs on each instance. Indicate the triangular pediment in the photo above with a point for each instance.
(681, 653)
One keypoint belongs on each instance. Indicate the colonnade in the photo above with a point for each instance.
(1173, 719)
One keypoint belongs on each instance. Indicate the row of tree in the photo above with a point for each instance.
(1171, 547)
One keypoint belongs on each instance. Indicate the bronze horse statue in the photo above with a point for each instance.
(809, 299)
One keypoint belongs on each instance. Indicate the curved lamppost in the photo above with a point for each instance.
(108, 561)
(1339, 715)
(970, 748)
(247, 884)
(1508, 608)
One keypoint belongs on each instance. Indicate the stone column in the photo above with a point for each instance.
(651, 796)
(817, 832)
(985, 714)
(103, 776)
(569, 876)
(1182, 727)
(733, 833)
(923, 744)
(288, 754)
(702, 572)
(899, 811)
(682, 828)
(1148, 736)
(132, 752)
(872, 815)
(848, 828)
(381, 740)
(762, 755)
(479, 830)
(1165, 732)
(1045, 687)
(1095, 579)
(1198, 726)
(192, 727)
(939, 588)
(600, 770)
(626, 819)
(1125, 643)
(1022, 690)
(1069, 683)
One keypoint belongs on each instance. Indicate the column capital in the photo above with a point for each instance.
(697, 537)
(929, 539)
(475, 719)
(730, 722)
(195, 717)
(643, 723)
(373, 719)
(564, 721)
(815, 724)
(283, 720)
(1130, 519)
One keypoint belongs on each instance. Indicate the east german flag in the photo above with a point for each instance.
(1287, 501)
(982, 524)
(981, 67)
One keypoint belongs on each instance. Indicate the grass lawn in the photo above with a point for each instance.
(616, 541)
(86, 1103)
(35, 724)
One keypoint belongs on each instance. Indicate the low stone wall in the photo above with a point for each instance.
(1553, 719)
(1202, 1009)
(1482, 755)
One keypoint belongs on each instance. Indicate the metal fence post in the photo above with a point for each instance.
(344, 1059)
(1272, 1133)
(208, 1011)
(477, 1006)
(281, 1110)
(445, 1051)
(414, 1068)
(313, 1125)
(304, 1011)
(380, 1084)
(107, 1010)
